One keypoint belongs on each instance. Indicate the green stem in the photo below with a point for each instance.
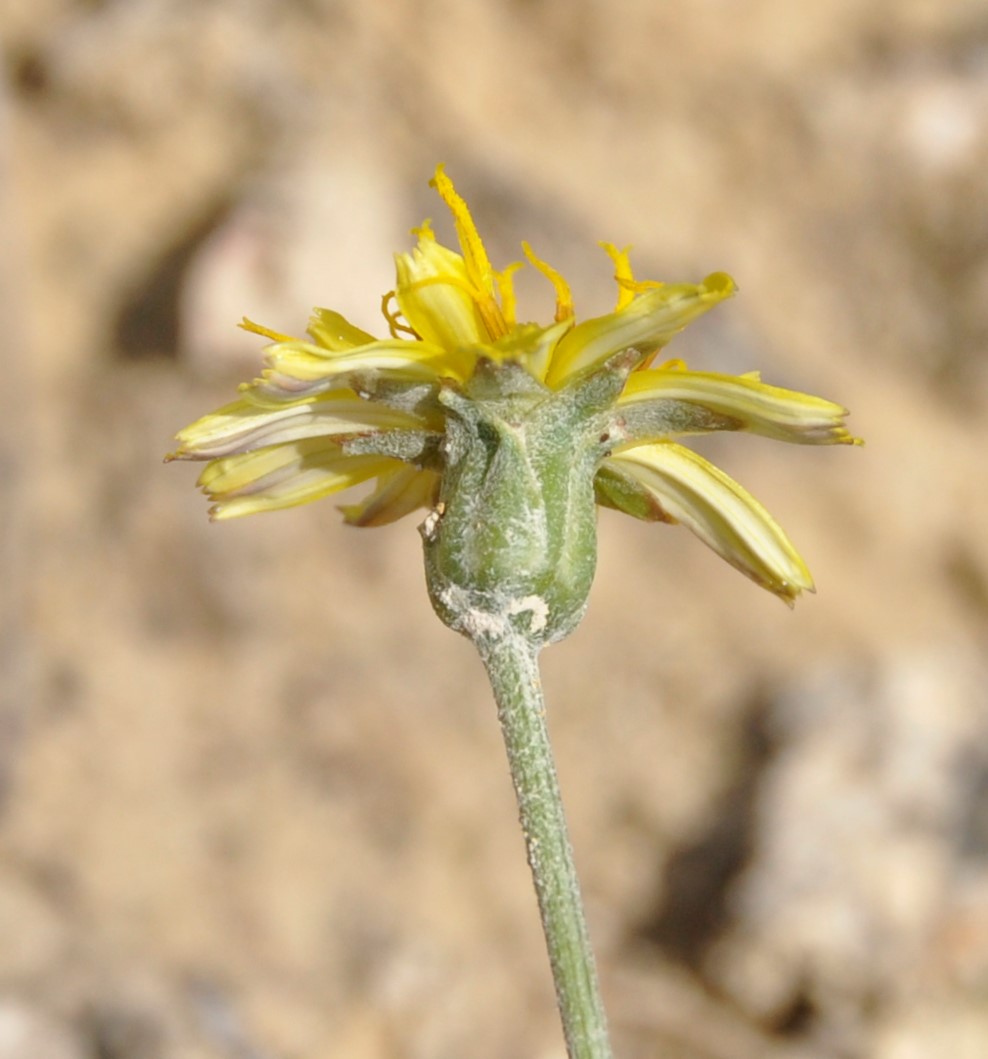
(512, 665)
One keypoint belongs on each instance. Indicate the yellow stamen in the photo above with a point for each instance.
(564, 296)
(505, 280)
(258, 329)
(671, 365)
(622, 273)
(628, 286)
(478, 265)
(424, 231)
(394, 324)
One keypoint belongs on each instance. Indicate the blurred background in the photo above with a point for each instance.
(253, 800)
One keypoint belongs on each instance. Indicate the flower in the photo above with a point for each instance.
(343, 407)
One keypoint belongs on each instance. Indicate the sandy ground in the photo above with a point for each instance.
(253, 802)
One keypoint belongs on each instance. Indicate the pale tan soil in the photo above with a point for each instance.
(253, 803)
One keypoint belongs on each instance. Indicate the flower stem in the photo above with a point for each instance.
(512, 666)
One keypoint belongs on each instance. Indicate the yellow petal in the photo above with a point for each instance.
(282, 476)
(333, 331)
(771, 411)
(646, 324)
(301, 369)
(399, 492)
(531, 346)
(247, 424)
(436, 297)
(724, 516)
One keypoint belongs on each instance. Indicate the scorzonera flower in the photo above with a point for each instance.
(511, 435)
(447, 410)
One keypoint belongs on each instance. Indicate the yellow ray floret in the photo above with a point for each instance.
(724, 516)
(281, 476)
(647, 323)
(771, 411)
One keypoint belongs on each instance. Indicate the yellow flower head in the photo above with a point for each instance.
(343, 407)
